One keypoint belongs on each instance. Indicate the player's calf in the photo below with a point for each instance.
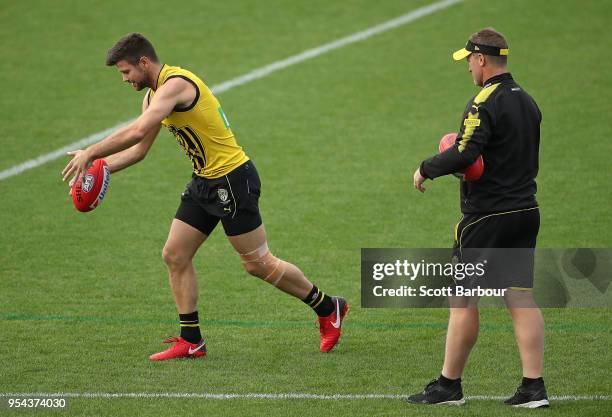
(288, 278)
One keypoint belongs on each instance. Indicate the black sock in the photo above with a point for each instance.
(531, 381)
(320, 302)
(190, 327)
(447, 382)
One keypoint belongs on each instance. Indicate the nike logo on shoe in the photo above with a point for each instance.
(199, 347)
(337, 323)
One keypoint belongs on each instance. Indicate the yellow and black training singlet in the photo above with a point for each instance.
(202, 129)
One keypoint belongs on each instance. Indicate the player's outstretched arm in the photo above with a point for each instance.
(167, 97)
(133, 155)
(136, 153)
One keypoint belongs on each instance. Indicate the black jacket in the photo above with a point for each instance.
(501, 123)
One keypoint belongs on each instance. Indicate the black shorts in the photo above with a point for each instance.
(232, 199)
(504, 241)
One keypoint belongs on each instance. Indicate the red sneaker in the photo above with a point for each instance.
(180, 349)
(331, 326)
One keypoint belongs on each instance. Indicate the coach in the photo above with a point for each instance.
(501, 124)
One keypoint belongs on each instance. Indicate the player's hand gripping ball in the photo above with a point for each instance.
(472, 172)
(88, 191)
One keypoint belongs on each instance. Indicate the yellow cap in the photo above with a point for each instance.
(461, 54)
(472, 47)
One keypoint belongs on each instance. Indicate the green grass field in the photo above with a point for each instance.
(84, 297)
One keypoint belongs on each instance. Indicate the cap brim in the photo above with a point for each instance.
(461, 54)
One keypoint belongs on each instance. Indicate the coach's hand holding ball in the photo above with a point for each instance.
(472, 173)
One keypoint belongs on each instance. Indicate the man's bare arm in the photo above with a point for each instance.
(174, 92)
(136, 153)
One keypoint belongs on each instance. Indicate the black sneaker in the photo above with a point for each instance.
(436, 393)
(532, 396)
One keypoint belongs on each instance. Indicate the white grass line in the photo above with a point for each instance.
(339, 43)
(247, 78)
(273, 396)
(58, 153)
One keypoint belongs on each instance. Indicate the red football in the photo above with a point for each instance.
(89, 191)
(472, 172)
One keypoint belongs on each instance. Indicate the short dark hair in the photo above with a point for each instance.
(491, 37)
(131, 48)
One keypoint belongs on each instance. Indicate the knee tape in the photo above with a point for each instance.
(270, 268)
